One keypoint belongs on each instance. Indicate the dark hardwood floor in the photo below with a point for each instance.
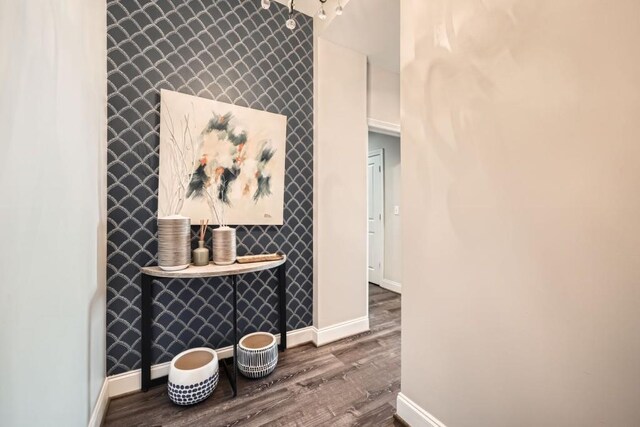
(352, 382)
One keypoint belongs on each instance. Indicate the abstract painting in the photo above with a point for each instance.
(220, 162)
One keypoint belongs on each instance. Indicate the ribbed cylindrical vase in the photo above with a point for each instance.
(174, 242)
(224, 245)
(257, 354)
(193, 375)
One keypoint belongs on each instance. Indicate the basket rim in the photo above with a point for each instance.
(273, 341)
(192, 350)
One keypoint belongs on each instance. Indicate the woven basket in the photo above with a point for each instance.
(257, 354)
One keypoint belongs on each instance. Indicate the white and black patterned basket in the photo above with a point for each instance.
(257, 354)
(193, 375)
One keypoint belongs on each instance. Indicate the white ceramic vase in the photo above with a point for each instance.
(193, 375)
(257, 354)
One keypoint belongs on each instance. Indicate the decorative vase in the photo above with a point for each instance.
(224, 245)
(193, 375)
(174, 242)
(257, 354)
(201, 255)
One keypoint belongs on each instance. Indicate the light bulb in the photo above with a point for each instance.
(321, 14)
(339, 9)
(266, 4)
(291, 23)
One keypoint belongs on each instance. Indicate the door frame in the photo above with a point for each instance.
(373, 153)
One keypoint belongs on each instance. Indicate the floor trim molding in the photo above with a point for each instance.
(300, 336)
(101, 405)
(129, 382)
(392, 286)
(341, 330)
(414, 415)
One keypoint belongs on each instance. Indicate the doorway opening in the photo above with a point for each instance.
(383, 210)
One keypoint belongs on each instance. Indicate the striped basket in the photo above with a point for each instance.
(257, 354)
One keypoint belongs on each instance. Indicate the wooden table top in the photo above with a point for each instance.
(212, 270)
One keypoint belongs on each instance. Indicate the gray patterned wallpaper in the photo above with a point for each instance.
(231, 51)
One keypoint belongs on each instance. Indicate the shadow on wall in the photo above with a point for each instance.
(520, 157)
(459, 92)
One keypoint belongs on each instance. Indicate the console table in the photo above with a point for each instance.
(206, 272)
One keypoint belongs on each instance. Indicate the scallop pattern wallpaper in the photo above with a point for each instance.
(230, 51)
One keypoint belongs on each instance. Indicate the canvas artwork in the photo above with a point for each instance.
(220, 162)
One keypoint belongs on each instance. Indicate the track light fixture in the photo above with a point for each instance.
(291, 22)
(321, 13)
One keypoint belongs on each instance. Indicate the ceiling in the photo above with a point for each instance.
(371, 27)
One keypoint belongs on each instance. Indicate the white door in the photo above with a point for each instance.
(375, 197)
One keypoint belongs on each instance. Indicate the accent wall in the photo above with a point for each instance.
(228, 51)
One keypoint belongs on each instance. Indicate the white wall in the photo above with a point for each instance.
(340, 153)
(521, 161)
(392, 196)
(52, 185)
(383, 95)
(371, 27)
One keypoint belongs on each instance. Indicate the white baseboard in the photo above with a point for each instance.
(100, 408)
(392, 286)
(300, 336)
(414, 415)
(341, 330)
(129, 382)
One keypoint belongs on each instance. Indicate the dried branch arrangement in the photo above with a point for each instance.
(203, 229)
(185, 150)
(215, 204)
(185, 157)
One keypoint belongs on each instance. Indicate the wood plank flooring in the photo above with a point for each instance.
(352, 382)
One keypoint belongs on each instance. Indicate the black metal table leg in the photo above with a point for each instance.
(234, 384)
(146, 283)
(282, 305)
